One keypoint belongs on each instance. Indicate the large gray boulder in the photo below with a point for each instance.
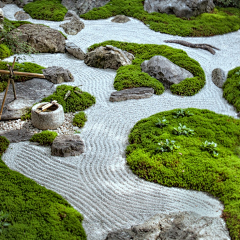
(19, 3)
(81, 7)
(132, 93)
(42, 38)
(181, 8)
(175, 226)
(28, 93)
(20, 15)
(165, 71)
(1, 19)
(218, 77)
(57, 75)
(74, 50)
(108, 57)
(74, 26)
(67, 145)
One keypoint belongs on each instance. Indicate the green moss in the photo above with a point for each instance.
(4, 51)
(75, 102)
(132, 76)
(220, 21)
(44, 137)
(190, 166)
(35, 212)
(3, 86)
(9, 25)
(79, 119)
(231, 88)
(51, 10)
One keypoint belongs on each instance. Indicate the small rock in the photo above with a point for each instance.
(120, 19)
(133, 93)
(69, 15)
(74, 26)
(75, 50)
(218, 77)
(67, 145)
(57, 75)
(20, 15)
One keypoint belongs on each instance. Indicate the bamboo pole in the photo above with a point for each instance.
(37, 75)
(5, 95)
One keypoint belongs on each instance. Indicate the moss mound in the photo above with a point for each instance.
(77, 100)
(218, 22)
(231, 88)
(51, 10)
(132, 76)
(44, 138)
(4, 51)
(79, 119)
(189, 162)
(35, 212)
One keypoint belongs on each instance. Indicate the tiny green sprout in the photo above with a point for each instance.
(182, 113)
(162, 123)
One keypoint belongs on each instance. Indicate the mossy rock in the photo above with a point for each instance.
(190, 166)
(131, 76)
(44, 138)
(77, 100)
(220, 21)
(231, 88)
(51, 10)
(4, 51)
(79, 119)
(35, 212)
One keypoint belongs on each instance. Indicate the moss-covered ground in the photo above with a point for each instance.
(44, 138)
(231, 88)
(191, 166)
(220, 21)
(35, 212)
(132, 76)
(51, 10)
(79, 119)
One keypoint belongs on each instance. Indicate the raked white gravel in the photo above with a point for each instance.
(98, 183)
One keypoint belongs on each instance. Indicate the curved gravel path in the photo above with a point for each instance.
(98, 183)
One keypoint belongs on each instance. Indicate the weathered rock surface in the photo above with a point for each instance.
(20, 15)
(1, 19)
(175, 226)
(43, 39)
(70, 14)
(133, 93)
(181, 8)
(2, 4)
(67, 145)
(74, 26)
(28, 93)
(108, 57)
(57, 75)
(218, 77)
(19, 3)
(81, 7)
(20, 135)
(165, 71)
(74, 50)
(120, 19)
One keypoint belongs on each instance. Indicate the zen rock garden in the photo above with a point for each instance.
(119, 119)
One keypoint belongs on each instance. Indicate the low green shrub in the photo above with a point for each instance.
(77, 101)
(231, 89)
(44, 138)
(34, 211)
(4, 51)
(79, 119)
(51, 10)
(132, 76)
(219, 21)
(191, 166)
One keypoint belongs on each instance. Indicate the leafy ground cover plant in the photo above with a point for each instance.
(45, 138)
(77, 100)
(231, 88)
(3, 221)
(182, 113)
(183, 130)
(211, 147)
(132, 76)
(167, 146)
(189, 166)
(218, 22)
(162, 123)
(51, 10)
(79, 119)
(36, 212)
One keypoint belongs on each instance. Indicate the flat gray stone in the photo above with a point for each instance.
(120, 19)
(132, 93)
(28, 93)
(74, 50)
(218, 77)
(15, 136)
(67, 145)
(20, 15)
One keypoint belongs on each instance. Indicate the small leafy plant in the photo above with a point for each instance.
(44, 137)
(3, 223)
(183, 130)
(168, 146)
(210, 147)
(182, 113)
(162, 123)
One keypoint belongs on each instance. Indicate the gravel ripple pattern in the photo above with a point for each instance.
(98, 183)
